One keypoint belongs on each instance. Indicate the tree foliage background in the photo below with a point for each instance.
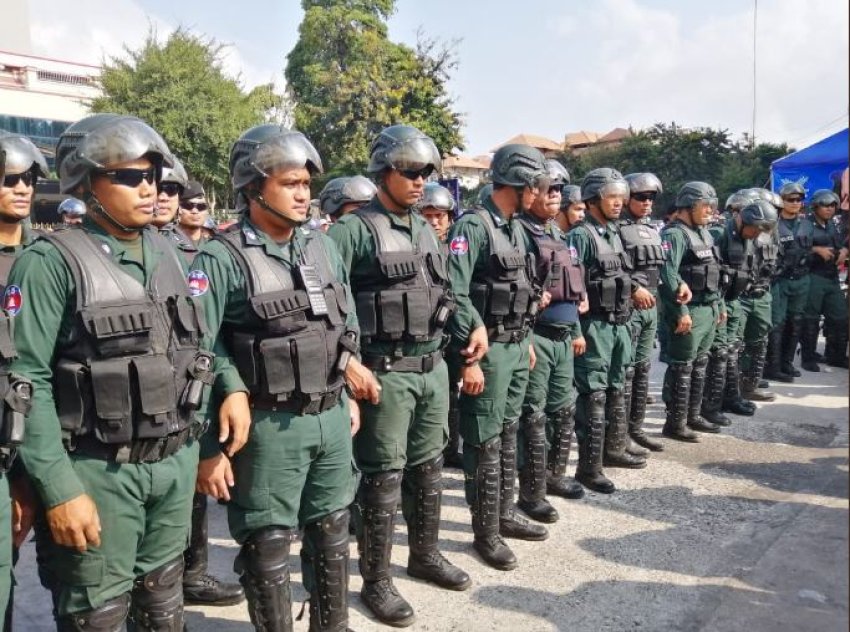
(349, 81)
(180, 88)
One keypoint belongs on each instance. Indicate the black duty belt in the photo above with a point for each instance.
(298, 404)
(550, 332)
(514, 335)
(139, 451)
(756, 292)
(404, 364)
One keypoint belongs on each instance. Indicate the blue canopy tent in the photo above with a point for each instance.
(818, 166)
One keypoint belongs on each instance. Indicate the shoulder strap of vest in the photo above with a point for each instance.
(316, 254)
(96, 277)
(170, 269)
(6, 261)
(262, 273)
(498, 241)
(599, 244)
(386, 239)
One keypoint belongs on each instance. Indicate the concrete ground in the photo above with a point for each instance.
(746, 530)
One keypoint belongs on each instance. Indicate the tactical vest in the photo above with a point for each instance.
(502, 293)
(609, 284)
(643, 245)
(6, 261)
(740, 265)
(558, 272)
(700, 267)
(405, 295)
(766, 254)
(794, 249)
(131, 372)
(825, 236)
(292, 350)
(183, 243)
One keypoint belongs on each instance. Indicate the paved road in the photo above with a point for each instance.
(747, 530)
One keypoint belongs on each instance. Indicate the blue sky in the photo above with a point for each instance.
(545, 66)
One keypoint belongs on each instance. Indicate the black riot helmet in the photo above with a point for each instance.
(345, 190)
(403, 148)
(760, 213)
(436, 196)
(603, 181)
(693, 192)
(517, 165)
(265, 148)
(18, 154)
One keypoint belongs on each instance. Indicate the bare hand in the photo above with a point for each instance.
(354, 413)
(579, 346)
(472, 380)
(234, 422)
(532, 357)
(643, 298)
(684, 325)
(584, 306)
(24, 505)
(721, 317)
(842, 256)
(477, 346)
(684, 294)
(75, 523)
(827, 254)
(544, 301)
(215, 477)
(362, 382)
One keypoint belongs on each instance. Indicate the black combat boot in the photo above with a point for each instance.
(751, 387)
(199, 587)
(677, 395)
(715, 383)
(263, 568)
(557, 483)
(378, 499)
(790, 339)
(452, 456)
(773, 367)
(591, 445)
(485, 506)
(732, 400)
(532, 475)
(156, 604)
(422, 492)
(109, 617)
(698, 379)
(836, 343)
(324, 562)
(637, 412)
(617, 434)
(511, 524)
(632, 447)
(809, 328)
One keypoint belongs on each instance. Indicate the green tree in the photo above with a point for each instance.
(181, 89)
(350, 81)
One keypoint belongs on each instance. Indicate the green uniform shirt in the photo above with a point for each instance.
(226, 301)
(675, 243)
(45, 318)
(358, 250)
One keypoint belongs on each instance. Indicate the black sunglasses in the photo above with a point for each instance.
(11, 180)
(129, 177)
(556, 188)
(415, 174)
(194, 206)
(793, 200)
(644, 197)
(170, 188)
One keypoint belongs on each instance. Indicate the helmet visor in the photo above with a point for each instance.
(288, 151)
(22, 155)
(122, 141)
(614, 189)
(414, 154)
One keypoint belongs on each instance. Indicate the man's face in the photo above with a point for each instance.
(702, 212)
(640, 203)
(193, 212)
(611, 205)
(16, 190)
(287, 191)
(404, 188)
(439, 221)
(825, 213)
(547, 204)
(750, 232)
(792, 204)
(167, 203)
(575, 213)
(127, 191)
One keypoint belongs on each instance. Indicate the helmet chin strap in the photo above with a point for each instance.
(392, 197)
(293, 223)
(92, 201)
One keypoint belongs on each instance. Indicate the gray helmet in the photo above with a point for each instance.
(73, 207)
(436, 196)
(19, 154)
(792, 188)
(264, 148)
(570, 195)
(760, 213)
(824, 197)
(739, 199)
(341, 191)
(210, 224)
(485, 192)
(404, 148)
(518, 166)
(603, 181)
(693, 192)
(557, 172)
(176, 174)
(101, 140)
(644, 183)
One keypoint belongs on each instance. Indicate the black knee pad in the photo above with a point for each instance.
(109, 617)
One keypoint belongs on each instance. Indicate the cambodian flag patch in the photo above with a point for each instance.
(459, 245)
(198, 282)
(573, 252)
(13, 300)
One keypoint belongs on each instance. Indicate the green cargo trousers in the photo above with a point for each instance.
(825, 297)
(5, 546)
(144, 512)
(644, 327)
(683, 348)
(789, 298)
(754, 324)
(294, 470)
(727, 332)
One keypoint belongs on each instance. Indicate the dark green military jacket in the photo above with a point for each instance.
(675, 243)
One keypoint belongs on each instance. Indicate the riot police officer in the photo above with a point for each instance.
(107, 331)
(572, 208)
(400, 284)
(488, 266)
(278, 307)
(171, 188)
(690, 290)
(825, 295)
(71, 210)
(341, 196)
(601, 417)
(437, 206)
(193, 214)
(547, 422)
(643, 244)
